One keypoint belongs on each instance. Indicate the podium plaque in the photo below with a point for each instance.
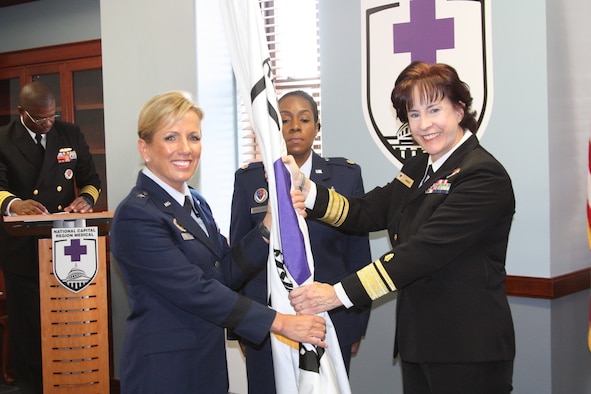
(74, 325)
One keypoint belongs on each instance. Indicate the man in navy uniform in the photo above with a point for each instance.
(336, 254)
(45, 167)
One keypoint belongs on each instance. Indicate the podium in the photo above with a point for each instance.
(74, 324)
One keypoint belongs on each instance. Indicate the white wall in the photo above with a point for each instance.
(569, 100)
(538, 129)
(148, 47)
(540, 115)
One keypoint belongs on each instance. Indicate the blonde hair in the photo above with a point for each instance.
(163, 109)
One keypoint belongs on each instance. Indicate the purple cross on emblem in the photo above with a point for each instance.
(75, 250)
(424, 34)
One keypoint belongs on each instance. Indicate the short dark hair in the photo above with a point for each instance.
(432, 82)
(36, 94)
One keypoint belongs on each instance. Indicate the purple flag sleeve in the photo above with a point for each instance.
(292, 240)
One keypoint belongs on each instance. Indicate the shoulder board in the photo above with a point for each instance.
(251, 166)
(340, 161)
(141, 197)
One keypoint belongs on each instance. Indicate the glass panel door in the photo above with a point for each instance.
(9, 91)
(87, 88)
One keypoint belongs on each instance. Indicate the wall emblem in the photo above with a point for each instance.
(456, 32)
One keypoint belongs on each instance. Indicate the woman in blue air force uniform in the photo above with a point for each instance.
(336, 253)
(180, 270)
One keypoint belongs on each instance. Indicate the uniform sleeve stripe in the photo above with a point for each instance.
(375, 280)
(384, 275)
(337, 210)
(3, 196)
(91, 190)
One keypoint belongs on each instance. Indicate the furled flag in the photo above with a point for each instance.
(299, 368)
(589, 226)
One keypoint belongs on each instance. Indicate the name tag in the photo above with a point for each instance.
(259, 209)
(405, 179)
(187, 236)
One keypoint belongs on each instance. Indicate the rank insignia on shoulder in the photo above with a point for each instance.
(350, 161)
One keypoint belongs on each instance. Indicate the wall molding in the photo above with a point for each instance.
(52, 53)
(548, 288)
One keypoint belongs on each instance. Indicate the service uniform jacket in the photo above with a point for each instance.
(336, 253)
(449, 241)
(52, 180)
(179, 282)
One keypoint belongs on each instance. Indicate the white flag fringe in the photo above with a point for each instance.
(251, 64)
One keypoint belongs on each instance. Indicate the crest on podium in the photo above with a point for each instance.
(75, 260)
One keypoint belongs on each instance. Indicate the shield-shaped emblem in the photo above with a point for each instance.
(75, 259)
(394, 34)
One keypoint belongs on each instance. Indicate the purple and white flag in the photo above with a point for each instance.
(299, 368)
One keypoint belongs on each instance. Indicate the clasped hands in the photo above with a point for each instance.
(316, 297)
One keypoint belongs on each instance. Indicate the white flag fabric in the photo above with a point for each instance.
(299, 368)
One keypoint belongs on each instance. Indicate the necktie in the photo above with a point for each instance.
(428, 174)
(188, 205)
(39, 138)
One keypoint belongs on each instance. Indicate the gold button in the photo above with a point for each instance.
(217, 265)
(59, 207)
(395, 237)
(59, 188)
(35, 192)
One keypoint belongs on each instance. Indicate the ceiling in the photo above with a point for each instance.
(6, 3)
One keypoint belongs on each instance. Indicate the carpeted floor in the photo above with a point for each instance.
(6, 389)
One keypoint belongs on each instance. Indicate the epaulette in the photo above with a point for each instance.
(251, 166)
(342, 161)
(140, 197)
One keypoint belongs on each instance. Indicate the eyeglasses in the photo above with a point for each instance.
(42, 120)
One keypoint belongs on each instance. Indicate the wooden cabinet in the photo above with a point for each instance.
(74, 73)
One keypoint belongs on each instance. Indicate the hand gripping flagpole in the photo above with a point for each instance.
(299, 368)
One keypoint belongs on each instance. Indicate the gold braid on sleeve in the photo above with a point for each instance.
(375, 279)
(337, 209)
(93, 191)
(3, 196)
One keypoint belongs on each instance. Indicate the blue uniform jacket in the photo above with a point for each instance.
(179, 283)
(336, 253)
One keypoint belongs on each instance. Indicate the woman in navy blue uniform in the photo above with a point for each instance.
(448, 213)
(180, 270)
(336, 253)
